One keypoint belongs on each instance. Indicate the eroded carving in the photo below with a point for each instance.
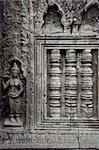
(52, 20)
(14, 89)
(90, 18)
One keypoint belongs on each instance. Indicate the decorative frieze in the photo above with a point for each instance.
(55, 83)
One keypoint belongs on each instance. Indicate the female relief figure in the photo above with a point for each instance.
(14, 88)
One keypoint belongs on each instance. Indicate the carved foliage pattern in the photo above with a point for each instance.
(25, 32)
(11, 31)
(16, 31)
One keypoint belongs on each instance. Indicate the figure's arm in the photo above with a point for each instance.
(21, 89)
(5, 85)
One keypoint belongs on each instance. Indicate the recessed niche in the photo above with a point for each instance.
(91, 16)
(90, 20)
(52, 20)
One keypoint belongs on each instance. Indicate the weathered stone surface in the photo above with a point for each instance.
(54, 44)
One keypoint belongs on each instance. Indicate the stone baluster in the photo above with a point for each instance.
(55, 83)
(87, 84)
(71, 84)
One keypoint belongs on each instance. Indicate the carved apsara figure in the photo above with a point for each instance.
(15, 88)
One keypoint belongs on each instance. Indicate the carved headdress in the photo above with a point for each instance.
(16, 63)
(15, 66)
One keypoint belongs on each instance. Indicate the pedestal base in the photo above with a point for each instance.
(7, 122)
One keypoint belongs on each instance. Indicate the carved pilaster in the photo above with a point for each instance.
(55, 83)
(87, 84)
(71, 84)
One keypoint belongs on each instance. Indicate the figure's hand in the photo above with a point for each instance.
(3, 81)
(13, 95)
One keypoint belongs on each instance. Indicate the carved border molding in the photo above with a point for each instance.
(47, 139)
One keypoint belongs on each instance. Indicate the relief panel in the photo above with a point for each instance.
(13, 99)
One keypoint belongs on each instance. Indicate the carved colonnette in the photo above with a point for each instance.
(87, 84)
(55, 83)
(71, 84)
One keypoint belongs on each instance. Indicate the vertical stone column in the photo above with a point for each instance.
(1, 7)
(55, 83)
(71, 84)
(87, 84)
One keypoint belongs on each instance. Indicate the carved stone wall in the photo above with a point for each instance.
(49, 74)
(1, 10)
